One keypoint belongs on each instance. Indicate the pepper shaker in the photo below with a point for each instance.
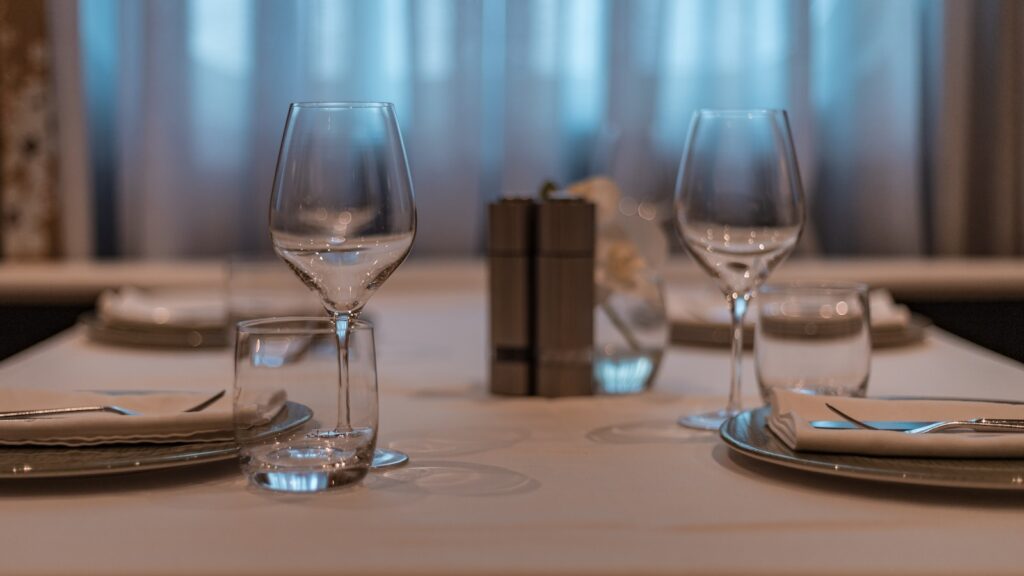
(564, 312)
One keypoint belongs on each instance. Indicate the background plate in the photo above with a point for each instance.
(696, 333)
(151, 335)
(66, 462)
(748, 434)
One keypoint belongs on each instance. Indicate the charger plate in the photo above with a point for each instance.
(747, 433)
(152, 335)
(66, 462)
(699, 333)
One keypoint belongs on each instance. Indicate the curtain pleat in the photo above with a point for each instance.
(906, 115)
(977, 193)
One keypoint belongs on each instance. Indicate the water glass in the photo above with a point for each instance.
(299, 357)
(813, 338)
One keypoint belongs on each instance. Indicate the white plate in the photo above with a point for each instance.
(748, 434)
(65, 462)
(719, 335)
(168, 307)
(152, 336)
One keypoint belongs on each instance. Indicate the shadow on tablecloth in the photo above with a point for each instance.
(456, 441)
(650, 432)
(450, 478)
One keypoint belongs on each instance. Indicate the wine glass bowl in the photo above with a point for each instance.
(342, 212)
(739, 210)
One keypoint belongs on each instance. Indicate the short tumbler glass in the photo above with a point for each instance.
(299, 356)
(813, 338)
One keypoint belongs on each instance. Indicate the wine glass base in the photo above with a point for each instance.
(707, 420)
(388, 459)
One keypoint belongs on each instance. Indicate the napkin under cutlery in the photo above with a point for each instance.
(169, 308)
(693, 304)
(203, 308)
(161, 418)
(793, 412)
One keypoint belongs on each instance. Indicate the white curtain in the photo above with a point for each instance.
(188, 98)
(868, 61)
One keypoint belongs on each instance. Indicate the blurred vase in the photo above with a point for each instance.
(630, 324)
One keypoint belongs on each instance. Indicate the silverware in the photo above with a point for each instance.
(892, 425)
(972, 424)
(20, 414)
(202, 405)
(25, 414)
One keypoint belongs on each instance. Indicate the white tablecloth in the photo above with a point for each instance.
(602, 485)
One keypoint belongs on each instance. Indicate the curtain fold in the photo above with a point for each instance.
(906, 115)
(866, 85)
(493, 99)
(977, 195)
(76, 226)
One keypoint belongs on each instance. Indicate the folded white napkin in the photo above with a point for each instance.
(161, 420)
(792, 413)
(196, 308)
(176, 308)
(706, 306)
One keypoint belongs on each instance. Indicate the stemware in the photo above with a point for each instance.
(342, 213)
(739, 209)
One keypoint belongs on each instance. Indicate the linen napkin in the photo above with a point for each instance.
(792, 413)
(699, 305)
(162, 419)
(172, 308)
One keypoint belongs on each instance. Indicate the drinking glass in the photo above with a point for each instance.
(342, 213)
(813, 338)
(296, 359)
(739, 209)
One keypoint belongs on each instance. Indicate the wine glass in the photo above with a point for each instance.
(739, 209)
(342, 213)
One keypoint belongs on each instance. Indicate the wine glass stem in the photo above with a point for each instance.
(342, 325)
(738, 310)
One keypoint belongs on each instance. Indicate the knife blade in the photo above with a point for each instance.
(894, 425)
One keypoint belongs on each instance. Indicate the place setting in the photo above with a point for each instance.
(302, 413)
(99, 433)
(203, 317)
(166, 317)
(937, 442)
(700, 318)
(740, 210)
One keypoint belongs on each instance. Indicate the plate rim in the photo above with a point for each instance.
(687, 332)
(844, 470)
(202, 453)
(139, 335)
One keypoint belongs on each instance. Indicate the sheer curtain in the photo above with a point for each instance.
(186, 101)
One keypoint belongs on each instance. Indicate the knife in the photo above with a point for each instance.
(895, 425)
(973, 425)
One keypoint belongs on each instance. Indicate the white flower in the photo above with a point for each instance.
(603, 193)
(630, 250)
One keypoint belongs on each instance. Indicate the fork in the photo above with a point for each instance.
(23, 414)
(975, 424)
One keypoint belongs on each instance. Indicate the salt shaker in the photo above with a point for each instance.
(510, 247)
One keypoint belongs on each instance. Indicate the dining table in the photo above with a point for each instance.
(604, 484)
